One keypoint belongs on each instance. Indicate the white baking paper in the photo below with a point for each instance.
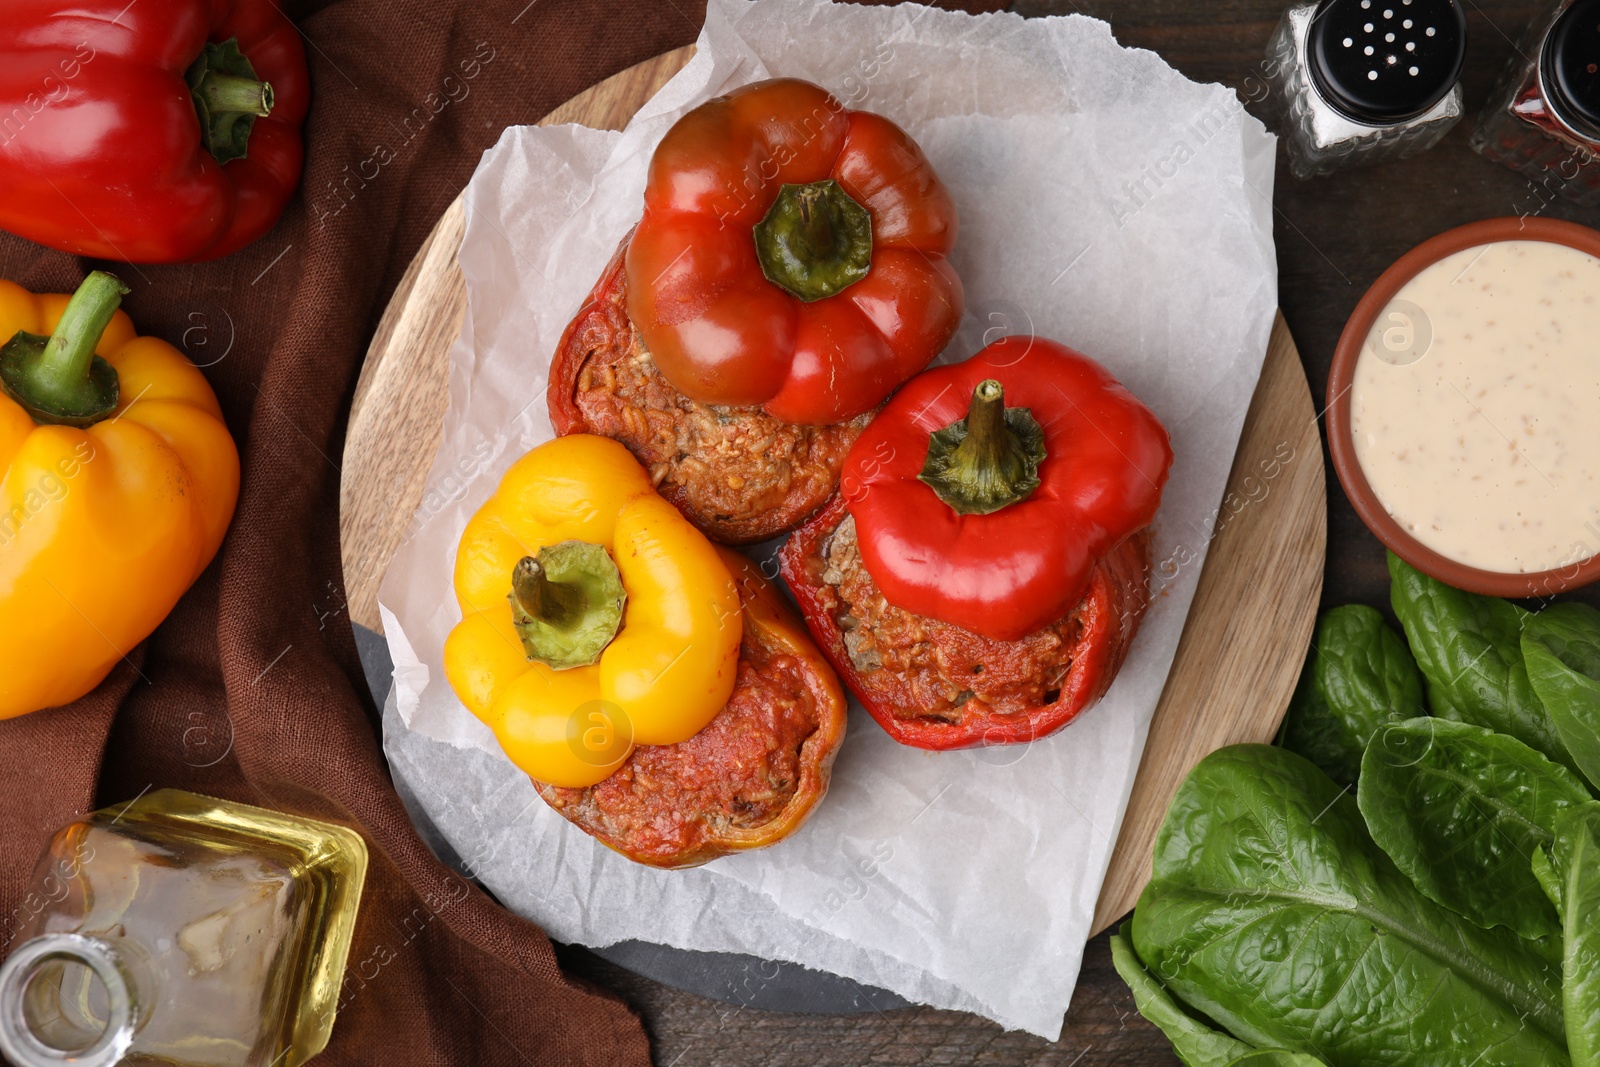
(1106, 202)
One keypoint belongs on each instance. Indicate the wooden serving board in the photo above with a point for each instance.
(1248, 628)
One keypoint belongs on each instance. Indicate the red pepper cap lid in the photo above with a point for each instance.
(1003, 571)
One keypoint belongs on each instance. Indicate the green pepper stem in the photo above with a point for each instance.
(539, 598)
(815, 233)
(59, 379)
(988, 460)
(989, 448)
(228, 94)
(567, 603)
(228, 98)
(815, 240)
(70, 351)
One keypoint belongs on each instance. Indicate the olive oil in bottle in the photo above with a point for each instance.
(182, 930)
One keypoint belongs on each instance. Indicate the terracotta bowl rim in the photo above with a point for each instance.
(1341, 445)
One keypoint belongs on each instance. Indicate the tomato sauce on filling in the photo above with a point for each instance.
(738, 474)
(923, 668)
(740, 772)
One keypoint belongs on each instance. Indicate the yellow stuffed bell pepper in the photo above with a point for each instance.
(594, 617)
(120, 479)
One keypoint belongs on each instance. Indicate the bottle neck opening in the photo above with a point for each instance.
(66, 999)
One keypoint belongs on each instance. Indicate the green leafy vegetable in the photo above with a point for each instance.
(1578, 845)
(1562, 648)
(1272, 912)
(1549, 880)
(1470, 650)
(1196, 1044)
(1276, 1057)
(1359, 677)
(1460, 810)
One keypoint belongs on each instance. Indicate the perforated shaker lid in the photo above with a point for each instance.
(1570, 68)
(1385, 61)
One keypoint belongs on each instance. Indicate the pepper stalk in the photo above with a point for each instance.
(228, 98)
(58, 379)
(988, 460)
(567, 604)
(815, 240)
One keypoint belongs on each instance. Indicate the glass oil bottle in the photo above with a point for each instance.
(182, 930)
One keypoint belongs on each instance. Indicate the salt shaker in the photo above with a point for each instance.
(182, 930)
(1361, 81)
(1544, 117)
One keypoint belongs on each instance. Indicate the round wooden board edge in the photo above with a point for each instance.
(1209, 685)
(1279, 456)
(384, 413)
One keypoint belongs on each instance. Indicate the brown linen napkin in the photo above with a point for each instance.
(252, 689)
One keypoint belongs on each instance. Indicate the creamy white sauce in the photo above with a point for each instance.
(1475, 408)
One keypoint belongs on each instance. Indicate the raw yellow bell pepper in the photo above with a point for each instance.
(594, 616)
(120, 479)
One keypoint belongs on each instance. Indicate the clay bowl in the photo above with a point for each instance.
(1342, 447)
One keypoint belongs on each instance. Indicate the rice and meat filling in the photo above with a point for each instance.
(923, 668)
(739, 772)
(739, 474)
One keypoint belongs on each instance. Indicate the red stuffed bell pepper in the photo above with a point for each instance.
(981, 574)
(152, 132)
(788, 273)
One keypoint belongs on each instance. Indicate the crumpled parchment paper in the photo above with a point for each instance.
(1106, 202)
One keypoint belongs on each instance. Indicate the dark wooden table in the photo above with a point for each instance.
(1334, 236)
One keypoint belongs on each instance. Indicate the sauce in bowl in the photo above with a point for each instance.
(1475, 406)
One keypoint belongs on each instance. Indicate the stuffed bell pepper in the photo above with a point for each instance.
(788, 273)
(982, 571)
(119, 480)
(654, 686)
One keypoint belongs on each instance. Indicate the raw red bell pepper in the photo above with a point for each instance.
(792, 254)
(151, 132)
(998, 543)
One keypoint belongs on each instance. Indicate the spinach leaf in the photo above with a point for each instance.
(1578, 844)
(1460, 810)
(1359, 677)
(1195, 1043)
(1470, 650)
(1272, 912)
(1276, 1057)
(1562, 648)
(1549, 880)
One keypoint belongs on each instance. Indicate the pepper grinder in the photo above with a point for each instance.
(1361, 81)
(1544, 117)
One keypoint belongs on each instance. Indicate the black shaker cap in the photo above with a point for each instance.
(1380, 62)
(1570, 65)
